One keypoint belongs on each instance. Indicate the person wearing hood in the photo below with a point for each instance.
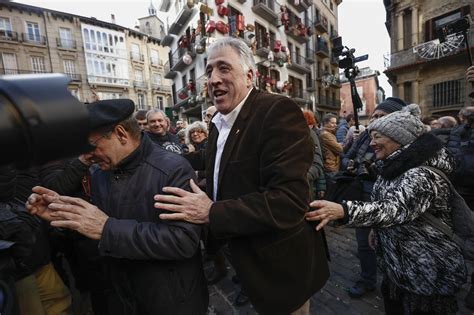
(422, 267)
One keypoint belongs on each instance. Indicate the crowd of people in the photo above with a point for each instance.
(130, 223)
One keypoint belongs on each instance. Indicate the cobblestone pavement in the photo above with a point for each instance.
(332, 299)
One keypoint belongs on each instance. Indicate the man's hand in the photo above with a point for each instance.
(78, 215)
(38, 201)
(326, 211)
(188, 206)
(87, 158)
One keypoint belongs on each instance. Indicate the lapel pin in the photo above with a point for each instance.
(237, 132)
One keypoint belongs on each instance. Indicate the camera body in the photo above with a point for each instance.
(349, 61)
(460, 25)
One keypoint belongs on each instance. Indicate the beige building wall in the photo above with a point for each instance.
(61, 48)
(14, 42)
(65, 52)
(155, 88)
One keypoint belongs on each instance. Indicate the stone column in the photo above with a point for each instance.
(401, 91)
(400, 31)
(414, 26)
(414, 90)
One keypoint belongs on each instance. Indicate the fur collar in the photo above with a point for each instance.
(421, 150)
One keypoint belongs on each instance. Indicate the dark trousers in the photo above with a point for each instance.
(368, 262)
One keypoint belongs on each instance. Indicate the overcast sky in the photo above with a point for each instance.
(361, 23)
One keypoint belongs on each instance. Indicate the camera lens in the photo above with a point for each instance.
(40, 120)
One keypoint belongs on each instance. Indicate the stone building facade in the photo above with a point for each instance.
(102, 59)
(422, 68)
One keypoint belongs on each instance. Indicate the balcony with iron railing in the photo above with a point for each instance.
(403, 58)
(328, 102)
(156, 87)
(182, 19)
(266, 9)
(321, 24)
(176, 61)
(298, 64)
(156, 62)
(75, 77)
(311, 85)
(322, 49)
(310, 58)
(136, 56)
(104, 80)
(166, 39)
(185, 97)
(263, 48)
(21, 71)
(169, 74)
(412, 56)
(298, 32)
(140, 84)
(33, 39)
(8, 36)
(68, 44)
(300, 5)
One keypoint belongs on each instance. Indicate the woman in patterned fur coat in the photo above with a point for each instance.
(422, 268)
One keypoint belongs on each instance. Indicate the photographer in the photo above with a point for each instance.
(358, 162)
(461, 145)
(38, 287)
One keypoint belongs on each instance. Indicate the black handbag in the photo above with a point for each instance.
(345, 186)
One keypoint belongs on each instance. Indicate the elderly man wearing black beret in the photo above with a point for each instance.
(154, 266)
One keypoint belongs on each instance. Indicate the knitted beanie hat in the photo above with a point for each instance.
(391, 104)
(403, 126)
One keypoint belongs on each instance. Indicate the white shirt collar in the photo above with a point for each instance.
(231, 117)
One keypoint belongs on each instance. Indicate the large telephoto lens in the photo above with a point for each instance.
(40, 120)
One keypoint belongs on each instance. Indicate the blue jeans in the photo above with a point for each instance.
(368, 262)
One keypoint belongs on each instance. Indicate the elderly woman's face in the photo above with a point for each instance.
(197, 135)
(382, 145)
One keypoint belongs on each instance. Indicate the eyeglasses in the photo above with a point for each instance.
(196, 130)
(209, 115)
(94, 142)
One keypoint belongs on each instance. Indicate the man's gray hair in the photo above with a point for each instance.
(154, 111)
(241, 48)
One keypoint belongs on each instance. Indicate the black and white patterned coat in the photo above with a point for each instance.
(414, 255)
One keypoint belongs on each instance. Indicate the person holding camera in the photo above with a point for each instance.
(359, 162)
(422, 267)
(461, 144)
(153, 265)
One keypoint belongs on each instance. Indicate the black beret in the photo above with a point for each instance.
(109, 112)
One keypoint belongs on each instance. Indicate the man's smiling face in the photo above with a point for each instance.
(228, 84)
